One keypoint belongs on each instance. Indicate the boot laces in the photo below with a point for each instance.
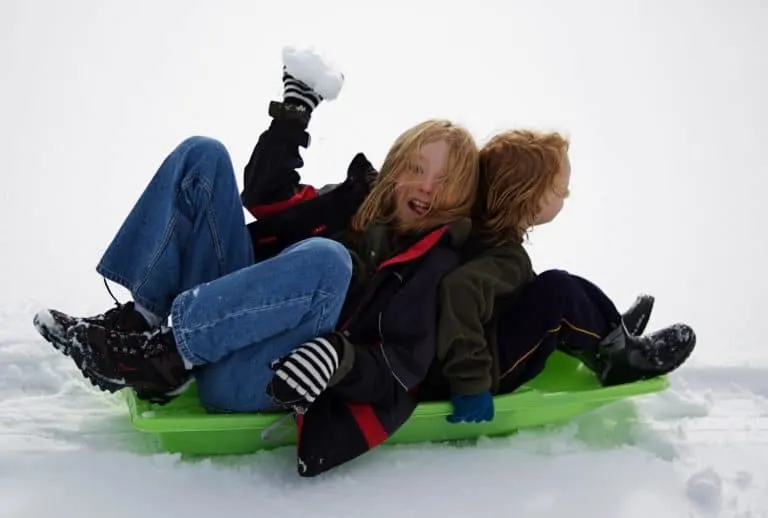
(114, 315)
(155, 344)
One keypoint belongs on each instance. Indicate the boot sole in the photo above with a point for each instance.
(66, 348)
(651, 301)
(85, 364)
(644, 324)
(50, 336)
(111, 385)
(682, 357)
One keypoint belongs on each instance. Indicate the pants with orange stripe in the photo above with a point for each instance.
(556, 310)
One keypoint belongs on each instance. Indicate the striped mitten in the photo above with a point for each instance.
(301, 376)
(308, 79)
(299, 94)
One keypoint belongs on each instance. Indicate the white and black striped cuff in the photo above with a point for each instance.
(299, 93)
(309, 368)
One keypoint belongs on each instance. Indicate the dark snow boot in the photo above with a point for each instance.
(148, 362)
(53, 325)
(623, 358)
(639, 313)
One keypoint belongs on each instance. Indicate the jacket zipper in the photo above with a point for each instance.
(386, 359)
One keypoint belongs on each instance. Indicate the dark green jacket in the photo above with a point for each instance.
(467, 352)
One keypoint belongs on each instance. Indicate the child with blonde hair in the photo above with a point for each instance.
(326, 305)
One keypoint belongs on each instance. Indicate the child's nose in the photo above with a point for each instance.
(427, 185)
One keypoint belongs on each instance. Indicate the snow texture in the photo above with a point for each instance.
(698, 449)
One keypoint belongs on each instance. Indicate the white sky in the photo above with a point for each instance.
(664, 101)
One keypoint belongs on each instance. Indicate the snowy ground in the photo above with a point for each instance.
(665, 103)
(698, 449)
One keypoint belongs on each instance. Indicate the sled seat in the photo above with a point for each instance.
(564, 390)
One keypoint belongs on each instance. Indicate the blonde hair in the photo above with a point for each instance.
(454, 197)
(517, 168)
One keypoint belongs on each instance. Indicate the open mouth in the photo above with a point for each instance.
(419, 207)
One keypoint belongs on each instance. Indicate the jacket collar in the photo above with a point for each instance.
(453, 234)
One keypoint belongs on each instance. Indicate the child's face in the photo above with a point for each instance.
(552, 202)
(415, 187)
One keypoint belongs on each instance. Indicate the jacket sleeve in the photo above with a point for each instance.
(271, 181)
(325, 215)
(467, 301)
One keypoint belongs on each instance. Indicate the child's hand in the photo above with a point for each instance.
(302, 375)
(474, 408)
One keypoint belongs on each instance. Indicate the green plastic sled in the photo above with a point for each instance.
(564, 390)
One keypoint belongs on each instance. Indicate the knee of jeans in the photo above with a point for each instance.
(331, 256)
(553, 279)
(200, 145)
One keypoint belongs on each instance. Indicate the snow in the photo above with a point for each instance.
(698, 448)
(665, 107)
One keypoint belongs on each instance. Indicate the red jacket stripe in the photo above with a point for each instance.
(422, 247)
(368, 423)
(307, 192)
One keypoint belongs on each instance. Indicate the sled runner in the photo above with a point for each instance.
(564, 390)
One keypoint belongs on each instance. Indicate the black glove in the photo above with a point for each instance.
(360, 172)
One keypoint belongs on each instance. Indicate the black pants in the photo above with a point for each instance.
(556, 310)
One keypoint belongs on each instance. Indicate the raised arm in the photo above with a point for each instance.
(271, 181)
(285, 209)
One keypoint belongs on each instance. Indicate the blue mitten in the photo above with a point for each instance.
(474, 408)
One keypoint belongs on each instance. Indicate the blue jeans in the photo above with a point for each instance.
(187, 227)
(184, 251)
